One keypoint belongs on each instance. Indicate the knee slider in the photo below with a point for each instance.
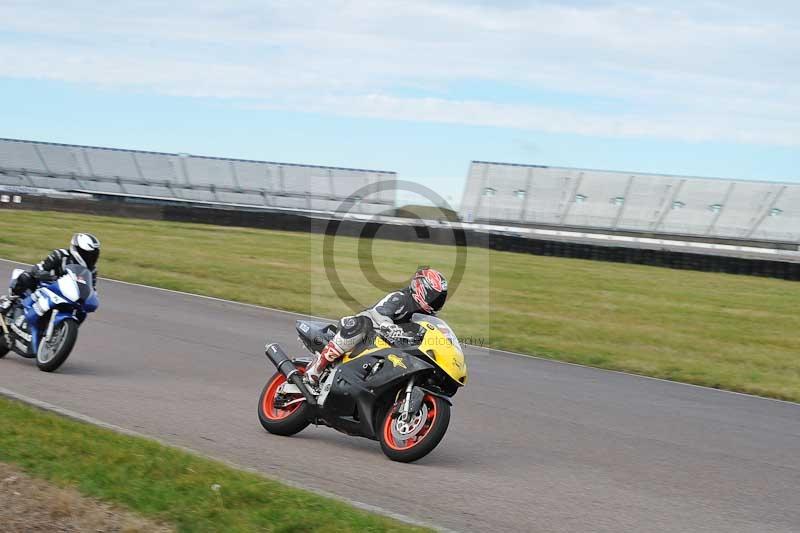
(352, 326)
(352, 330)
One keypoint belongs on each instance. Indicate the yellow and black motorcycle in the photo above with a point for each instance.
(397, 392)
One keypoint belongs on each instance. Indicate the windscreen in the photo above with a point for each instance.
(440, 324)
(82, 277)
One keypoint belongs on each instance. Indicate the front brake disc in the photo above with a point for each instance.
(402, 430)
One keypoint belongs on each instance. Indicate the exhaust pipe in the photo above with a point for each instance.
(285, 366)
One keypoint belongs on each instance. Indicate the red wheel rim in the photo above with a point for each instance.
(427, 424)
(268, 408)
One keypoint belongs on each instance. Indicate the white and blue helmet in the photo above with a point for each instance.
(85, 248)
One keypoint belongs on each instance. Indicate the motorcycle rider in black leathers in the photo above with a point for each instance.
(84, 250)
(426, 294)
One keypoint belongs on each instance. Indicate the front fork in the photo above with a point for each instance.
(50, 326)
(412, 402)
(36, 338)
(6, 332)
(405, 409)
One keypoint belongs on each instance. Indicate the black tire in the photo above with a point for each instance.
(4, 347)
(295, 422)
(426, 443)
(64, 349)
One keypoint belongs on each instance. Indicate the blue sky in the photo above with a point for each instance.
(705, 88)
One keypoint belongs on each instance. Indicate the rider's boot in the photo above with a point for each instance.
(330, 353)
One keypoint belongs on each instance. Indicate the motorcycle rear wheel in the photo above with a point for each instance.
(281, 421)
(425, 429)
(64, 336)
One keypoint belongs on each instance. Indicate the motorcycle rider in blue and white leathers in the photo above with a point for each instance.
(84, 250)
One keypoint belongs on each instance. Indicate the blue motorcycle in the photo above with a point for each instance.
(44, 324)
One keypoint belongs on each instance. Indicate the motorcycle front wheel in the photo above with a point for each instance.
(54, 351)
(406, 440)
(282, 414)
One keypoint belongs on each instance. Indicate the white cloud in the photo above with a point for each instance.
(700, 70)
(530, 117)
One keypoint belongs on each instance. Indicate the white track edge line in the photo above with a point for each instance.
(505, 352)
(631, 374)
(46, 406)
(195, 295)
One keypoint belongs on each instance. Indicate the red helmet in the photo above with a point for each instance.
(429, 289)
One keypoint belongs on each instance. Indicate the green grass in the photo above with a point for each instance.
(426, 212)
(733, 332)
(165, 483)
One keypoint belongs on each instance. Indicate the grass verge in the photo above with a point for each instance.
(30, 504)
(733, 332)
(166, 484)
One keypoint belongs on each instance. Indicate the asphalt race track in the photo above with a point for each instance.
(533, 445)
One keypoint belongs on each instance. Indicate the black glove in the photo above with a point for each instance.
(43, 276)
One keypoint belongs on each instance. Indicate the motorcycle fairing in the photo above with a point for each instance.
(370, 345)
(438, 345)
(35, 305)
(91, 304)
(20, 332)
(38, 303)
(353, 399)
